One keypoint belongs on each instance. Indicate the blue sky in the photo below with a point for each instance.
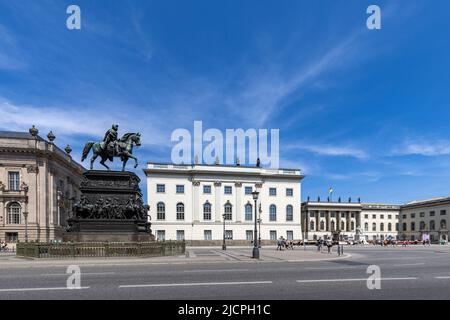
(366, 112)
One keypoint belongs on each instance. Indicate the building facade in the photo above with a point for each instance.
(349, 220)
(193, 202)
(38, 182)
(428, 217)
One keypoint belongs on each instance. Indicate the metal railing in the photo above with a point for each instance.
(100, 249)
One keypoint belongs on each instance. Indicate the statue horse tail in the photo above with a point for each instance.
(86, 150)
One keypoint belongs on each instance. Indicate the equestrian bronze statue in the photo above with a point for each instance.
(111, 147)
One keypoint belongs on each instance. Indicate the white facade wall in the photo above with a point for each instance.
(195, 177)
(425, 213)
(380, 221)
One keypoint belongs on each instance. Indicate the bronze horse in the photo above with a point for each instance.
(125, 148)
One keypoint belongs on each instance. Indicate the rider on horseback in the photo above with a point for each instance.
(111, 140)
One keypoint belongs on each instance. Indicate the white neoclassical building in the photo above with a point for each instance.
(192, 202)
(37, 184)
(430, 217)
(349, 220)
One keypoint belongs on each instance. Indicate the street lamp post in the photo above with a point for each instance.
(224, 246)
(255, 242)
(25, 215)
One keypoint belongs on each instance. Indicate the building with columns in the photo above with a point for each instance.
(192, 202)
(37, 184)
(349, 220)
(428, 217)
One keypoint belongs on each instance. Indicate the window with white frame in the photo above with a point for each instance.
(207, 189)
(228, 211)
(160, 211)
(180, 188)
(273, 212)
(290, 235)
(160, 188)
(229, 234)
(273, 235)
(289, 213)
(207, 234)
(249, 235)
(289, 192)
(180, 211)
(228, 190)
(248, 212)
(14, 213)
(161, 235)
(180, 235)
(14, 180)
(207, 211)
(272, 191)
(248, 190)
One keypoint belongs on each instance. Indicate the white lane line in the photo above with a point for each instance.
(82, 274)
(331, 268)
(409, 264)
(193, 284)
(356, 279)
(217, 270)
(448, 277)
(40, 289)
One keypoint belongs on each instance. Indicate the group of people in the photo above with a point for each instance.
(328, 243)
(3, 246)
(283, 243)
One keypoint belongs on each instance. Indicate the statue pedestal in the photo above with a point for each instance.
(110, 208)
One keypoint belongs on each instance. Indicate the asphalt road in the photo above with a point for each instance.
(406, 273)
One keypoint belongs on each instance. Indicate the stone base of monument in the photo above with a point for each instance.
(110, 209)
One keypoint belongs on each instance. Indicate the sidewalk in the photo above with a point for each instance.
(193, 255)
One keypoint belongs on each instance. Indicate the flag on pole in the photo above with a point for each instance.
(330, 191)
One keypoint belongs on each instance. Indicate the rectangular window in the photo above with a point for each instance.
(160, 188)
(11, 237)
(161, 235)
(432, 214)
(207, 189)
(248, 190)
(180, 188)
(312, 215)
(228, 190)
(332, 214)
(422, 214)
(390, 216)
(249, 235)
(207, 234)
(273, 235)
(207, 212)
(443, 212)
(322, 214)
(180, 235)
(352, 215)
(272, 191)
(289, 192)
(14, 180)
(366, 216)
(413, 215)
(229, 234)
(382, 216)
(404, 216)
(290, 235)
(374, 216)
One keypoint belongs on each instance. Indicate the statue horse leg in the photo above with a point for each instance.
(93, 160)
(102, 162)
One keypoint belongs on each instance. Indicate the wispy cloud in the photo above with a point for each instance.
(328, 150)
(423, 148)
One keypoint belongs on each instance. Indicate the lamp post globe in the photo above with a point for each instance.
(255, 254)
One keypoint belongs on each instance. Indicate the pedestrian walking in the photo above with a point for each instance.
(329, 246)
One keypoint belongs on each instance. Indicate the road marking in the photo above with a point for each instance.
(82, 273)
(409, 264)
(193, 284)
(217, 270)
(40, 289)
(448, 277)
(352, 280)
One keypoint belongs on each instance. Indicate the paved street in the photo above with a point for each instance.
(208, 273)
